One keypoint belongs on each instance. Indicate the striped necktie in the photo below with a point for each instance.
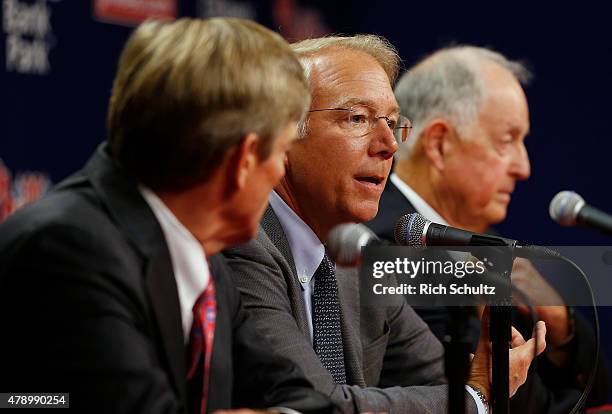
(200, 346)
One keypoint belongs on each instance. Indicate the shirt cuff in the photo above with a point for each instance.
(482, 409)
(286, 410)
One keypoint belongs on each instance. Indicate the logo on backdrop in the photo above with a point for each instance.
(25, 188)
(29, 36)
(213, 8)
(133, 12)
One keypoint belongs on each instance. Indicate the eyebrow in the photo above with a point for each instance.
(517, 130)
(366, 102)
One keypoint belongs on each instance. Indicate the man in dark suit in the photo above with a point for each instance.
(470, 119)
(110, 288)
(380, 359)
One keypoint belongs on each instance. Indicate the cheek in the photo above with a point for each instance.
(489, 181)
(275, 174)
(275, 170)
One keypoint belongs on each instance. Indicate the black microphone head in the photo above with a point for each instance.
(345, 241)
(564, 208)
(409, 230)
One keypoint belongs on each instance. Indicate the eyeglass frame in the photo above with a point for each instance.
(372, 125)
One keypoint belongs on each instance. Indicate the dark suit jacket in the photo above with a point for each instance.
(89, 306)
(548, 389)
(393, 362)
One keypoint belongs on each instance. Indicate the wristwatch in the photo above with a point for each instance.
(482, 397)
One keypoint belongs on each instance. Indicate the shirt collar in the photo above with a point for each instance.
(417, 201)
(306, 248)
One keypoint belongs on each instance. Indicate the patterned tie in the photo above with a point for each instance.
(201, 343)
(326, 321)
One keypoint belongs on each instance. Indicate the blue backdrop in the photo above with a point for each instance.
(57, 62)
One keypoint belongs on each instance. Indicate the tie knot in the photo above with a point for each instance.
(205, 298)
(327, 263)
(326, 269)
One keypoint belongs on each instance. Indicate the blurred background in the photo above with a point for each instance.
(57, 61)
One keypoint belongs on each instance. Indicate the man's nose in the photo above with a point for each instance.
(383, 142)
(521, 167)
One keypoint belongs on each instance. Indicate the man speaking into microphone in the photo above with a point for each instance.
(470, 119)
(385, 359)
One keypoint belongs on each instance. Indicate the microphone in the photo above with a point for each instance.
(569, 209)
(345, 241)
(415, 230)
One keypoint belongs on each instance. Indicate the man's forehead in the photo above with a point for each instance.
(349, 77)
(505, 104)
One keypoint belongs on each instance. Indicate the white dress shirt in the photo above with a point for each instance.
(417, 201)
(188, 259)
(430, 214)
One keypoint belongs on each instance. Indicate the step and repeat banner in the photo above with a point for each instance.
(58, 57)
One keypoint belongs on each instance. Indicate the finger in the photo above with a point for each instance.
(471, 357)
(541, 335)
(517, 338)
(528, 348)
(521, 264)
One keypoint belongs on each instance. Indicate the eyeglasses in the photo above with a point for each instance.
(360, 120)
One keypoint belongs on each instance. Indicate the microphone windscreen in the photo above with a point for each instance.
(564, 207)
(409, 230)
(345, 241)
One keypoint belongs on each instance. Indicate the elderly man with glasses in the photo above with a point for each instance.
(382, 359)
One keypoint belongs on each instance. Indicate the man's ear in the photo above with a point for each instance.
(434, 140)
(246, 159)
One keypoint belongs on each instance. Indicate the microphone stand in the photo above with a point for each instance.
(500, 331)
(457, 347)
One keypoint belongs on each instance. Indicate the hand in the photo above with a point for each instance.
(242, 411)
(521, 355)
(538, 291)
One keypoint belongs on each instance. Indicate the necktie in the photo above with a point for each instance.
(201, 343)
(326, 321)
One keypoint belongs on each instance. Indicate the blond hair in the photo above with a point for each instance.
(376, 46)
(187, 91)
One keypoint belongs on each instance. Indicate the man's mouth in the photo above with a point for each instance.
(373, 179)
(505, 195)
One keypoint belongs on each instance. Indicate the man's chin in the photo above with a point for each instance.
(496, 215)
(364, 212)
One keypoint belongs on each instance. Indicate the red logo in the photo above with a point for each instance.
(25, 188)
(133, 12)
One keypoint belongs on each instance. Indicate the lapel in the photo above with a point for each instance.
(393, 205)
(133, 216)
(348, 292)
(274, 230)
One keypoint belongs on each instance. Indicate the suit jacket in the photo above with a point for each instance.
(89, 306)
(393, 362)
(548, 389)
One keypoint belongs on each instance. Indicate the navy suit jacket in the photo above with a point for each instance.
(89, 306)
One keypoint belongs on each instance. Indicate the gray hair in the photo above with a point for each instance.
(448, 84)
(376, 46)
